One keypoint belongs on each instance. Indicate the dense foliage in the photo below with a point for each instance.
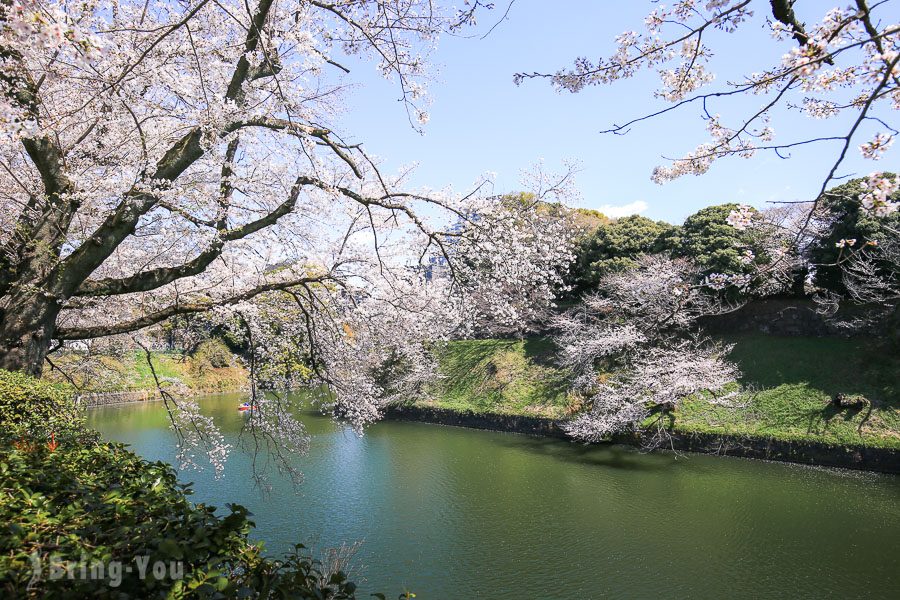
(706, 238)
(845, 221)
(614, 246)
(38, 411)
(713, 244)
(101, 503)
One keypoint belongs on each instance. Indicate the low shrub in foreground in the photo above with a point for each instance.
(82, 507)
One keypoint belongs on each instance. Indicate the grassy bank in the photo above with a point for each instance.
(503, 377)
(210, 369)
(791, 382)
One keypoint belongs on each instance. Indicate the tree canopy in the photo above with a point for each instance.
(847, 228)
(615, 246)
(713, 244)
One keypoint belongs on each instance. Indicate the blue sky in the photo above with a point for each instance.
(481, 122)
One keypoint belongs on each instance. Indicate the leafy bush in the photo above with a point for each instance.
(842, 211)
(614, 246)
(713, 244)
(212, 353)
(101, 504)
(32, 410)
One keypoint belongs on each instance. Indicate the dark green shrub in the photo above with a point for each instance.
(615, 246)
(842, 208)
(715, 246)
(67, 500)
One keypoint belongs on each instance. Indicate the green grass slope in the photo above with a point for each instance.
(211, 369)
(791, 381)
(503, 377)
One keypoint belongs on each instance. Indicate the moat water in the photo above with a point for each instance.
(455, 513)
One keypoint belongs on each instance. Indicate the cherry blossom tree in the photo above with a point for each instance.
(839, 65)
(178, 158)
(162, 159)
(634, 351)
(507, 295)
(847, 246)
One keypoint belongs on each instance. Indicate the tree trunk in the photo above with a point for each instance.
(27, 323)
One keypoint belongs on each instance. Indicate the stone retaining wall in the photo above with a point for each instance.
(104, 398)
(90, 399)
(787, 316)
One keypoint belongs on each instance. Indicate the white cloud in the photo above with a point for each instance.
(632, 208)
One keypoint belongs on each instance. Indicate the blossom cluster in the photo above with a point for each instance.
(636, 51)
(742, 217)
(720, 281)
(877, 196)
(197, 432)
(847, 61)
(876, 148)
(28, 25)
(637, 323)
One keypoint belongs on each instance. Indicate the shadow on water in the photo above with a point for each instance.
(613, 456)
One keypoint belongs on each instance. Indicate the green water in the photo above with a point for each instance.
(456, 513)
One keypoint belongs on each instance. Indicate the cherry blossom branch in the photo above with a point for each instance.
(82, 333)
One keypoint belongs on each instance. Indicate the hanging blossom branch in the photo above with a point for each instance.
(130, 167)
(864, 250)
(173, 159)
(851, 53)
(273, 431)
(193, 430)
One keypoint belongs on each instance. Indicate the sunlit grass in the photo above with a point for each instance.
(501, 376)
(130, 371)
(790, 380)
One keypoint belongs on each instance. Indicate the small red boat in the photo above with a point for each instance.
(244, 407)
